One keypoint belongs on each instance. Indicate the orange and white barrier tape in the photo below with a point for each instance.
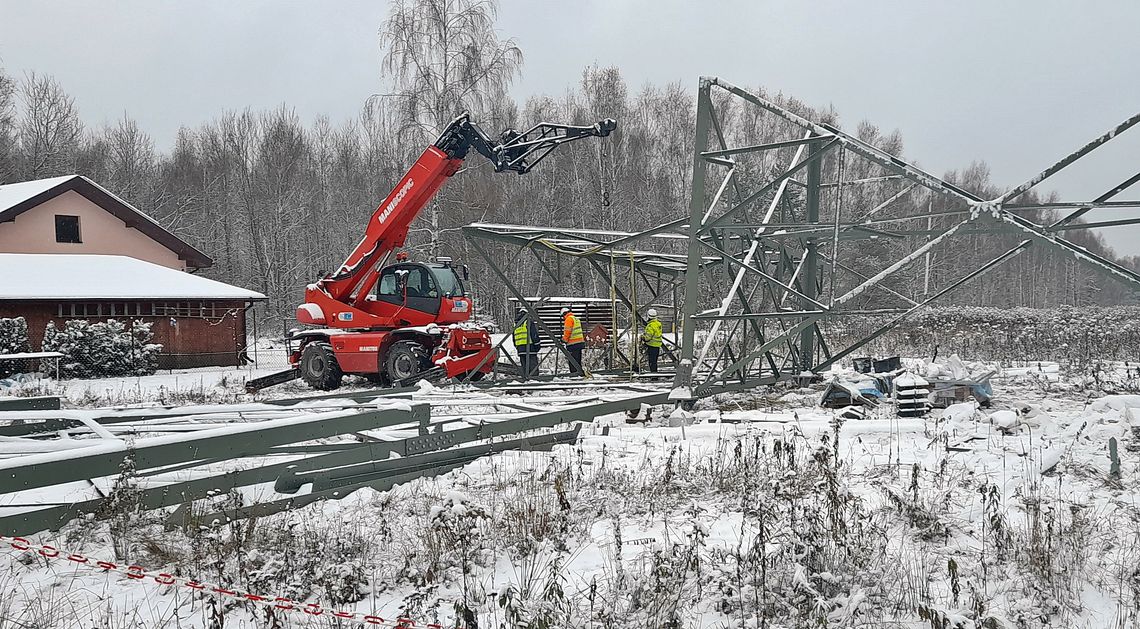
(137, 573)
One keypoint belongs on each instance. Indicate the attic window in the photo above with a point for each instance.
(66, 228)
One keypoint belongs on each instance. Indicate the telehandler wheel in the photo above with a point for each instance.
(319, 367)
(405, 360)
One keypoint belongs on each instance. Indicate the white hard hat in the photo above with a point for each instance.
(652, 312)
(564, 311)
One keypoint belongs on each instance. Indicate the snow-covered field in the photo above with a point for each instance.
(208, 384)
(766, 511)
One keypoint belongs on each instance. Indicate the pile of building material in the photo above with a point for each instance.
(916, 388)
(850, 398)
(953, 380)
(912, 394)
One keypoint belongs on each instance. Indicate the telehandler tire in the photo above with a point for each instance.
(319, 367)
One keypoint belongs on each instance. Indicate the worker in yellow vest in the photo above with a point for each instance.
(527, 343)
(574, 339)
(651, 338)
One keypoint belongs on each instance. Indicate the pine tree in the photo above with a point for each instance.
(145, 354)
(107, 348)
(13, 340)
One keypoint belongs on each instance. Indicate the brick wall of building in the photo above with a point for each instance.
(191, 333)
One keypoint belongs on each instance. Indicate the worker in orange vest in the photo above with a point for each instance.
(574, 339)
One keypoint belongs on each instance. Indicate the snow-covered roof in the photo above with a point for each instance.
(13, 194)
(16, 198)
(35, 276)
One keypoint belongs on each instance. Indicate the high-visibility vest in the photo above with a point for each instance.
(521, 335)
(572, 329)
(652, 334)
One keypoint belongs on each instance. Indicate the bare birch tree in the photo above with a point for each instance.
(444, 57)
(48, 130)
(7, 127)
(132, 158)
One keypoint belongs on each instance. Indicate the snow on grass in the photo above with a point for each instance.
(767, 511)
(205, 385)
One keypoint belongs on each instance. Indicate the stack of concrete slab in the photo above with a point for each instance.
(912, 395)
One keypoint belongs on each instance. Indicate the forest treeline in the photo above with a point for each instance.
(276, 201)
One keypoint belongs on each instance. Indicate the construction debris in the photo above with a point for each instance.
(954, 381)
(839, 394)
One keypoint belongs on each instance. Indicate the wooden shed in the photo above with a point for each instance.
(71, 249)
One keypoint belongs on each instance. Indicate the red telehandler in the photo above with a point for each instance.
(413, 325)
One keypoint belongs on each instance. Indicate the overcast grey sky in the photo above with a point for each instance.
(1018, 84)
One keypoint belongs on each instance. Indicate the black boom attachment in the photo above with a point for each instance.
(518, 152)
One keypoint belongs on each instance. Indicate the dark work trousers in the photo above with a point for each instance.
(529, 356)
(652, 353)
(576, 364)
(528, 359)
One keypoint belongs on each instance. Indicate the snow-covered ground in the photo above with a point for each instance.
(767, 510)
(208, 384)
(167, 387)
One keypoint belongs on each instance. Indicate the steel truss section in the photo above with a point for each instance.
(217, 463)
(634, 279)
(769, 259)
(784, 262)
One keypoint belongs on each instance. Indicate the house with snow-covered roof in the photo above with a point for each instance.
(72, 214)
(71, 249)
